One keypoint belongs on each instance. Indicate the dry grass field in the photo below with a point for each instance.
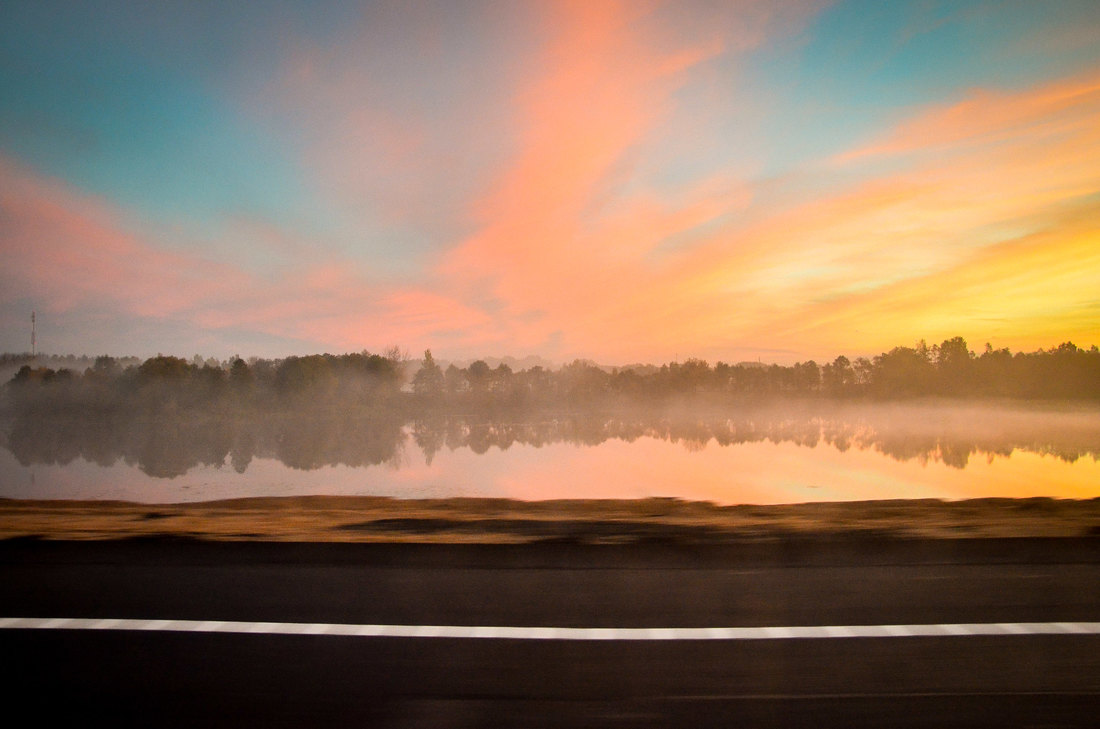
(458, 520)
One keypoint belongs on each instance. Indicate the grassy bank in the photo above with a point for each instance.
(458, 520)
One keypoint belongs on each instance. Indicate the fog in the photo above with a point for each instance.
(941, 431)
(167, 415)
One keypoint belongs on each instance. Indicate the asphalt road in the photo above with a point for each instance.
(226, 679)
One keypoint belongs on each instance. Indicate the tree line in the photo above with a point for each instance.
(390, 382)
(168, 384)
(950, 369)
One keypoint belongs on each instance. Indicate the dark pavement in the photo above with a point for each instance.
(184, 679)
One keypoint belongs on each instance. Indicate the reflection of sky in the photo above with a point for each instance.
(758, 473)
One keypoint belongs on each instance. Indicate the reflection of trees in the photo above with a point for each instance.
(169, 446)
(240, 455)
(903, 435)
(429, 436)
(334, 441)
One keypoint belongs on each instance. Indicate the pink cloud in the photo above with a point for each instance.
(559, 244)
(341, 308)
(566, 228)
(76, 252)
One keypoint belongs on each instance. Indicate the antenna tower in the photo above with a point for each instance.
(34, 342)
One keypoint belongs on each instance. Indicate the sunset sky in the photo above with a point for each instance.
(636, 181)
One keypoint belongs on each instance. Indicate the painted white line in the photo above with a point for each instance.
(817, 632)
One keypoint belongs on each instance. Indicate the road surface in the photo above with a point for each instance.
(923, 633)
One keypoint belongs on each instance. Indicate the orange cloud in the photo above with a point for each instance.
(1030, 292)
(988, 117)
(990, 239)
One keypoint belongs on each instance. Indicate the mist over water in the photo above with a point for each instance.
(769, 453)
(913, 422)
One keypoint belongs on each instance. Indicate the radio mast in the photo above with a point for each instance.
(34, 343)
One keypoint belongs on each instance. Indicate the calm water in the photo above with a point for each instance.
(763, 456)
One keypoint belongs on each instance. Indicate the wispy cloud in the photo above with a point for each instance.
(73, 253)
(587, 179)
(978, 225)
(396, 116)
(72, 250)
(985, 211)
(986, 118)
(567, 233)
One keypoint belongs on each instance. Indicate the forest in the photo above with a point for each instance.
(168, 414)
(392, 383)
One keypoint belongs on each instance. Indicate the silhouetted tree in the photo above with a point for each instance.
(455, 381)
(903, 372)
(478, 374)
(954, 367)
(428, 381)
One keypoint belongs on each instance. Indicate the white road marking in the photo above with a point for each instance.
(818, 632)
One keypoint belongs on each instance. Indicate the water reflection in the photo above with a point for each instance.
(946, 433)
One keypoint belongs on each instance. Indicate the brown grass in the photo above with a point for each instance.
(379, 519)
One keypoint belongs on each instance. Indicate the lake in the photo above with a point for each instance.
(758, 455)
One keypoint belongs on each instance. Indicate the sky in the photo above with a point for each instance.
(618, 181)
